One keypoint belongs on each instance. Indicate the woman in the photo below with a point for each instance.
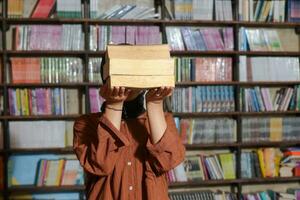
(126, 151)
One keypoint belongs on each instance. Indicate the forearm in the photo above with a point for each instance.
(113, 112)
(157, 120)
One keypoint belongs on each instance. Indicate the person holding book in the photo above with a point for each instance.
(127, 150)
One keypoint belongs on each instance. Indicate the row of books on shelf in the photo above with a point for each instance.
(65, 9)
(224, 130)
(200, 69)
(270, 99)
(270, 129)
(289, 194)
(210, 69)
(260, 39)
(44, 9)
(59, 133)
(48, 37)
(204, 167)
(61, 101)
(202, 195)
(220, 10)
(204, 69)
(201, 39)
(266, 11)
(47, 70)
(71, 37)
(44, 170)
(43, 101)
(203, 99)
(270, 162)
(30, 135)
(269, 68)
(127, 11)
(260, 163)
(60, 172)
(53, 70)
(100, 36)
(205, 131)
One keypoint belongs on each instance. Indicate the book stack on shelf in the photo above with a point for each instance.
(236, 102)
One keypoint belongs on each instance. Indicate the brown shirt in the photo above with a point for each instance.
(125, 164)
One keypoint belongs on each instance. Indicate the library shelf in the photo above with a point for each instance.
(195, 83)
(44, 189)
(44, 53)
(211, 146)
(41, 117)
(240, 83)
(279, 144)
(243, 145)
(96, 53)
(269, 24)
(27, 21)
(67, 150)
(204, 183)
(35, 85)
(198, 23)
(268, 180)
(204, 53)
(242, 181)
(231, 114)
(269, 53)
(157, 22)
(234, 53)
(205, 114)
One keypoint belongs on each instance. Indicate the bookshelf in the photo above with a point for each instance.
(237, 184)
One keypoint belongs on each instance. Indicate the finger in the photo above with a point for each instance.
(121, 91)
(170, 91)
(160, 91)
(152, 92)
(127, 92)
(165, 92)
(115, 91)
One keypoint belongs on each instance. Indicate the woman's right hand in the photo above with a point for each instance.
(115, 94)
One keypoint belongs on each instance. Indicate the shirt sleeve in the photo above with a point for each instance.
(169, 151)
(97, 144)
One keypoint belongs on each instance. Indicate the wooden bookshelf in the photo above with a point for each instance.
(68, 150)
(85, 54)
(45, 189)
(276, 180)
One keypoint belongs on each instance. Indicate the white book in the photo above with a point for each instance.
(134, 12)
(146, 14)
(39, 134)
(243, 68)
(251, 10)
(227, 10)
(180, 174)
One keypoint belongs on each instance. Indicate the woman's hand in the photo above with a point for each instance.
(115, 94)
(157, 95)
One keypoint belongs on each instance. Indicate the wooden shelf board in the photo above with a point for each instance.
(34, 85)
(67, 150)
(44, 189)
(44, 53)
(42, 117)
(44, 21)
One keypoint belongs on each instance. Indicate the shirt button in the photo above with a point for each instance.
(129, 163)
(130, 188)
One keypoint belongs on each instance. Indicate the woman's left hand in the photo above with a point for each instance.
(158, 94)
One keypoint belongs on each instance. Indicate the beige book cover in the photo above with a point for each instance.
(139, 66)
